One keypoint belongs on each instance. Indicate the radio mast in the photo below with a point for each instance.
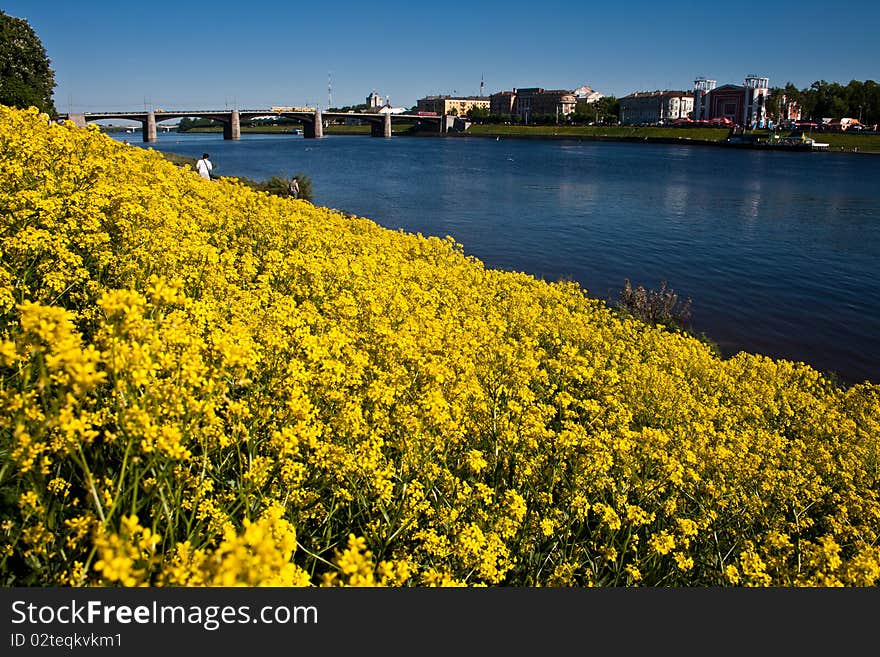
(329, 92)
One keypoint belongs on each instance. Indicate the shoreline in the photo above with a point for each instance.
(681, 141)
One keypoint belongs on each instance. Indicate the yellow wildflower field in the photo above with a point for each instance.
(206, 385)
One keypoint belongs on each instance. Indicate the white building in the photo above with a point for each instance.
(586, 94)
(655, 107)
(387, 109)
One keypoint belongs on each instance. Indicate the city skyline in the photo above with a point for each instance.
(113, 57)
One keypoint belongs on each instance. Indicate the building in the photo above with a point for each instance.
(530, 101)
(560, 102)
(502, 102)
(374, 101)
(455, 105)
(387, 109)
(745, 105)
(655, 107)
(788, 111)
(702, 87)
(586, 95)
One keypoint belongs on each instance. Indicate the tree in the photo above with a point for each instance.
(25, 76)
(603, 110)
(479, 114)
(774, 104)
(278, 186)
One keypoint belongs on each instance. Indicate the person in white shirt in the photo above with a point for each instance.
(293, 187)
(204, 167)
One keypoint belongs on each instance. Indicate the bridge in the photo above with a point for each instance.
(311, 119)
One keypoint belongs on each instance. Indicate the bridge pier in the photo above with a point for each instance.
(314, 130)
(232, 129)
(382, 129)
(79, 120)
(150, 127)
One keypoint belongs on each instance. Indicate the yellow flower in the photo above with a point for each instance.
(208, 385)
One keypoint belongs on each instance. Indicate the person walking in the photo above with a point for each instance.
(293, 187)
(204, 167)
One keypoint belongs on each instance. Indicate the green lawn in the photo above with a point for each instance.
(840, 141)
(249, 128)
(333, 129)
(836, 141)
(701, 134)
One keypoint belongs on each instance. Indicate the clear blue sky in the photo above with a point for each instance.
(206, 55)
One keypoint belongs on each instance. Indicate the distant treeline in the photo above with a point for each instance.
(859, 100)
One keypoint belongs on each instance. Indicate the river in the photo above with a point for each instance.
(780, 252)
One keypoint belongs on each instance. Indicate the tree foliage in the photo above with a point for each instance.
(278, 186)
(478, 114)
(602, 110)
(25, 76)
(857, 99)
(188, 123)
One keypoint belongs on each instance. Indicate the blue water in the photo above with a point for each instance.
(780, 252)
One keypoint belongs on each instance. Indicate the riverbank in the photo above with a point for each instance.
(279, 129)
(837, 142)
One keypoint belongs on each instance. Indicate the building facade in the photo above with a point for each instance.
(702, 87)
(560, 102)
(455, 105)
(375, 101)
(586, 95)
(745, 105)
(530, 101)
(787, 109)
(502, 102)
(655, 106)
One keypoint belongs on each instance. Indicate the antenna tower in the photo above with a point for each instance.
(329, 92)
(481, 85)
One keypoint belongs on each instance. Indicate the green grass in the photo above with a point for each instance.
(346, 129)
(181, 160)
(839, 141)
(700, 134)
(836, 141)
(249, 128)
(334, 129)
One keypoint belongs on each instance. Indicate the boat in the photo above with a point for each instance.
(792, 142)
